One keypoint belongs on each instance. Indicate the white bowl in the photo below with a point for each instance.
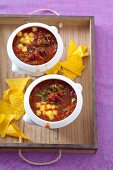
(35, 70)
(31, 118)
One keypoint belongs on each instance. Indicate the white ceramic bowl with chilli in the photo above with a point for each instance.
(31, 118)
(35, 70)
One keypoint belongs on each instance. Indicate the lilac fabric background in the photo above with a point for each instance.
(103, 12)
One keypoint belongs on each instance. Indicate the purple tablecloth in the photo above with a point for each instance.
(103, 12)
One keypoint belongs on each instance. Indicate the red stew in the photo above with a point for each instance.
(53, 100)
(35, 45)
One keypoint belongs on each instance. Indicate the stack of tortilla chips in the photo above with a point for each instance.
(73, 65)
(12, 107)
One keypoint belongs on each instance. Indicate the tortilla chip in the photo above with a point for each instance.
(86, 54)
(84, 48)
(5, 123)
(54, 69)
(17, 104)
(80, 51)
(2, 116)
(15, 131)
(74, 64)
(5, 108)
(11, 91)
(19, 83)
(72, 48)
(68, 73)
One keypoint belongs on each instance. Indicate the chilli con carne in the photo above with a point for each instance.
(35, 45)
(53, 100)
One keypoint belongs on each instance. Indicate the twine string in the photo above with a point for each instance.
(60, 25)
(44, 10)
(40, 163)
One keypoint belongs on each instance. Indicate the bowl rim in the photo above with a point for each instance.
(46, 65)
(56, 124)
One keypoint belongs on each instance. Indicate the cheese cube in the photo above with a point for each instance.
(25, 35)
(31, 34)
(43, 103)
(27, 42)
(48, 106)
(54, 112)
(42, 108)
(26, 38)
(38, 112)
(22, 40)
(38, 104)
(43, 112)
(24, 49)
(34, 29)
(53, 107)
(19, 34)
(20, 46)
(49, 114)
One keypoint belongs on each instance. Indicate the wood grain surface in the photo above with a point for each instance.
(82, 132)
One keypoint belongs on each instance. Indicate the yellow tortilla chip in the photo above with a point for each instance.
(19, 83)
(73, 64)
(11, 91)
(2, 116)
(15, 131)
(5, 108)
(80, 51)
(84, 48)
(72, 48)
(5, 123)
(17, 104)
(54, 69)
(86, 54)
(68, 73)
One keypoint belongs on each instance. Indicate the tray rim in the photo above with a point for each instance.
(84, 17)
(93, 146)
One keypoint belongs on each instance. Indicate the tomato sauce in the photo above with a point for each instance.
(35, 45)
(53, 100)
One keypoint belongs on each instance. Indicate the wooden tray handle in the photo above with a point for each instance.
(60, 25)
(40, 163)
(44, 10)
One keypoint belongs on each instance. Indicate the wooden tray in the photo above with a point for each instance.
(80, 136)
